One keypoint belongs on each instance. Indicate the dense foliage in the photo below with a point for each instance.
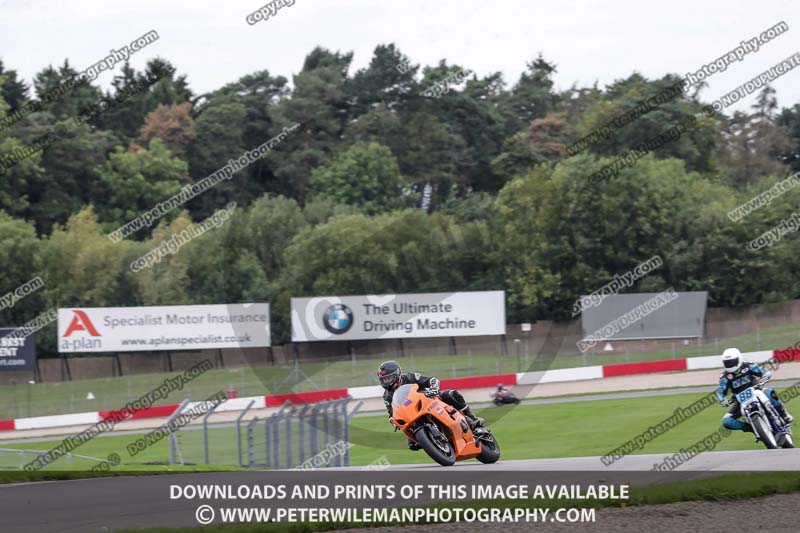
(382, 188)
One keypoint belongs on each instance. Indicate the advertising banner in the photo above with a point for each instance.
(174, 327)
(16, 352)
(398, 316)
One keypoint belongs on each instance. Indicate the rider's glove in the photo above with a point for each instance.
(725, 402)
(430, 393)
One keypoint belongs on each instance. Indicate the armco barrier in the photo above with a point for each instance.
(73, 419)
(306, 397)
(150, 412)
(649, 367)
(560, 375)
(788, 354)
(478, 382)
(375, 391)
(715, 361)
(361, 393)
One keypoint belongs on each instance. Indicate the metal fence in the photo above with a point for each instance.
(309, 436)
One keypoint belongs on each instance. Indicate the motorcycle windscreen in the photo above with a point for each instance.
(401, 394)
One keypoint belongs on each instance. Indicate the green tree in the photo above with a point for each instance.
(366, 175)
(12, 90)
(562, 237)
(402, 251)
(271, 224)
(20, 262)
(319, 104)
(711, 253)
(165, 282)
(532, 96)
(137, 181)
(388, 81)
(789, 119)
(474, 116)
(52, 88)
(697, 147)
(260, 94)
(15, 179)
(545, 141)
(753, 147)
(224, 268)
(83, 268)
(379, 124)
(70, 177)
(132, 103)
(431, 154)
(219, 133)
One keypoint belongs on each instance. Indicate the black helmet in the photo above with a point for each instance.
(389, 374)
(499, 386)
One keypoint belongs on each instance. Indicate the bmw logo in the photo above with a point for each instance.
(338, 319)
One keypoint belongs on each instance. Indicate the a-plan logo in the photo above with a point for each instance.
(80, 322)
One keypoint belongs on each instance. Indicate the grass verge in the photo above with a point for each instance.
(572, 429)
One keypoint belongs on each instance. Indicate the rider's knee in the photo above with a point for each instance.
(453, 397)
(731, 423)
(773, 396)
(457, 396)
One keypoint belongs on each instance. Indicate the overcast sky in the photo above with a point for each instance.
(589, 41)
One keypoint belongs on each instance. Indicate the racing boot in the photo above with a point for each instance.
(413, 446)
(782, 411)
(474, 421)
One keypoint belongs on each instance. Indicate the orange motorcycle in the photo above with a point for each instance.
(440, 429)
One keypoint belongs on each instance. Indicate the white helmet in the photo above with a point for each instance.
(731, 358)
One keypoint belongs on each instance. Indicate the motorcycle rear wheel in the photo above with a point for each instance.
(762, 429)
(440, 451)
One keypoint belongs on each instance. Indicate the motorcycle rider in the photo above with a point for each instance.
(738, 376)
(391, 377)
(504, 396)
(500, 392)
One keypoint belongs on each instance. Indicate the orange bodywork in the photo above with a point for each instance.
(417, 406)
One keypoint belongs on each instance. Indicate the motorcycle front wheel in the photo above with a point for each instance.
(490, 450)
(764, 432)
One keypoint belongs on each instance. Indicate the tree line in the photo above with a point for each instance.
(399, 178)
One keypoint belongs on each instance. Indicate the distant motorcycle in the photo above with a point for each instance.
(767, 424)
(504, 397)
